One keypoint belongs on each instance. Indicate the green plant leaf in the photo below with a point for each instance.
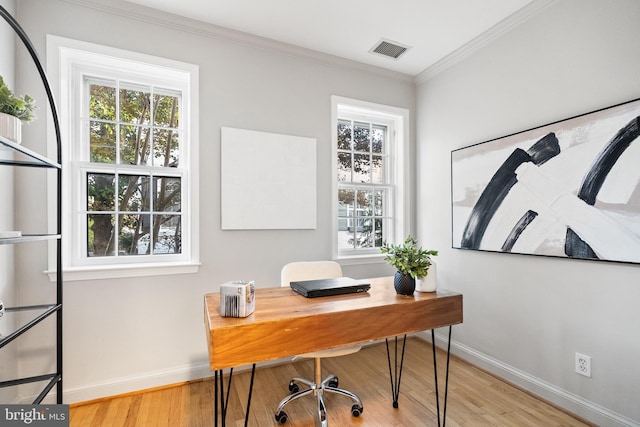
(408, 257)
(22, 108)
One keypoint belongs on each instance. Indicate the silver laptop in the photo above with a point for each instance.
(328, 287)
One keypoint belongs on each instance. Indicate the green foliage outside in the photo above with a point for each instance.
(408, 258)
(141, 130)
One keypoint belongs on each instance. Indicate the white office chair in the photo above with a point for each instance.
(309, 271)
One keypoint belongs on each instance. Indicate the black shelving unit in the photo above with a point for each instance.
(30, 159)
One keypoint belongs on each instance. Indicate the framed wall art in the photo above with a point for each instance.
(567, 189)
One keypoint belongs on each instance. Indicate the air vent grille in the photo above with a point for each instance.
(388, 48)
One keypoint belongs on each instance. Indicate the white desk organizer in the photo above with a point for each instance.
(237, 298)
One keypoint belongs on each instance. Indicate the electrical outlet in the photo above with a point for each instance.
(583, 365)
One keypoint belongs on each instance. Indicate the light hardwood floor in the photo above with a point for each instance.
(475, 397)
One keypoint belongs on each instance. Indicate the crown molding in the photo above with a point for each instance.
(179, 23)
(483, 39)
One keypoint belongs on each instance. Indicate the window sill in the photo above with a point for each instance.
(71, 274)
(360, 259)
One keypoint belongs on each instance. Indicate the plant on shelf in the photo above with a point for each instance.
(411, 262)
(13, 111)
(22, 108)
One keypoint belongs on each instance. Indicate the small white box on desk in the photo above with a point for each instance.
(237, 298)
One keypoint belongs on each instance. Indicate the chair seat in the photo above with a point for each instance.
(333, 352)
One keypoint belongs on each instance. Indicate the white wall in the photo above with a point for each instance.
(525, 317)
(123, 335)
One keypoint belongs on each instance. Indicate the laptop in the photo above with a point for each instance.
(328, 287)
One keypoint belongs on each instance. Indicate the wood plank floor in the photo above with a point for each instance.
(475, 397)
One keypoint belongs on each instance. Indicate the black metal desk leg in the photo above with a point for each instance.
(396, 375)
(246, 416)
(435, 377)
(221, 404)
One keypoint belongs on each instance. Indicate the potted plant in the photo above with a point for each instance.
(13, 111)
(411, 262)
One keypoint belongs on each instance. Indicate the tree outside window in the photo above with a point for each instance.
(134, 202)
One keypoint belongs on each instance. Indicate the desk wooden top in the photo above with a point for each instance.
(287, 324)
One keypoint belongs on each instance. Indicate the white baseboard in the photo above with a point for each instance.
(145, 381)
(570, 402)
(133, 383)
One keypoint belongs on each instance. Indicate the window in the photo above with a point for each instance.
(129, 162)
(369, 179)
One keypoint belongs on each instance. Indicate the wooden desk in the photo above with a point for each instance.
(286, 324)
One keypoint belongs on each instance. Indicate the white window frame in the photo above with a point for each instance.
(69, 62)
(398, 169)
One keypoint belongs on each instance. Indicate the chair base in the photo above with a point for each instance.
(329, 385)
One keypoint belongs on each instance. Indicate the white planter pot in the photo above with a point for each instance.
(428, 283)
(10, 127)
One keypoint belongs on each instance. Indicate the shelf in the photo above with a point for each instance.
(44, 310)
(18, 320)
(28, 238)
(40, 161)
(52, 379)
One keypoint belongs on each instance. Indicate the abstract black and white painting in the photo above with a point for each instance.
(567, 189)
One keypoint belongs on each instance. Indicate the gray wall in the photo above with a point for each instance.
(526, 317)
(128, 334)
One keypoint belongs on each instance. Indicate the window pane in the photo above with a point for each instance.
(344, 167)
(361, 140)
(166, 111)
(377, 170)
(361, 168)
(102, 142)
(378, 137)
(133, 193)
(364, 200)
(100, 192)
(378, 204)
(165, 148)
(344, 135)
(135, 105)
(345, 203)
(167, 194)
(168, 238)
(102, 102)
(135, 145)
(100, 235)
(133, 238)
(378, 232)
(346, 212)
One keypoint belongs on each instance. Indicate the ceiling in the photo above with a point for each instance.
(433, 29)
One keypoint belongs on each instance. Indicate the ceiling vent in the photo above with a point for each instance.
(389, 48)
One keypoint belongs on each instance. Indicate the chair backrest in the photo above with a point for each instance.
(309, 270)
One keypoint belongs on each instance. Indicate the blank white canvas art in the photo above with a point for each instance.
(268, 180)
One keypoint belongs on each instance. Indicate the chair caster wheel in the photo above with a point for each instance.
(356, 410)
(333, 382)
(281, 418)
(293, 387)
